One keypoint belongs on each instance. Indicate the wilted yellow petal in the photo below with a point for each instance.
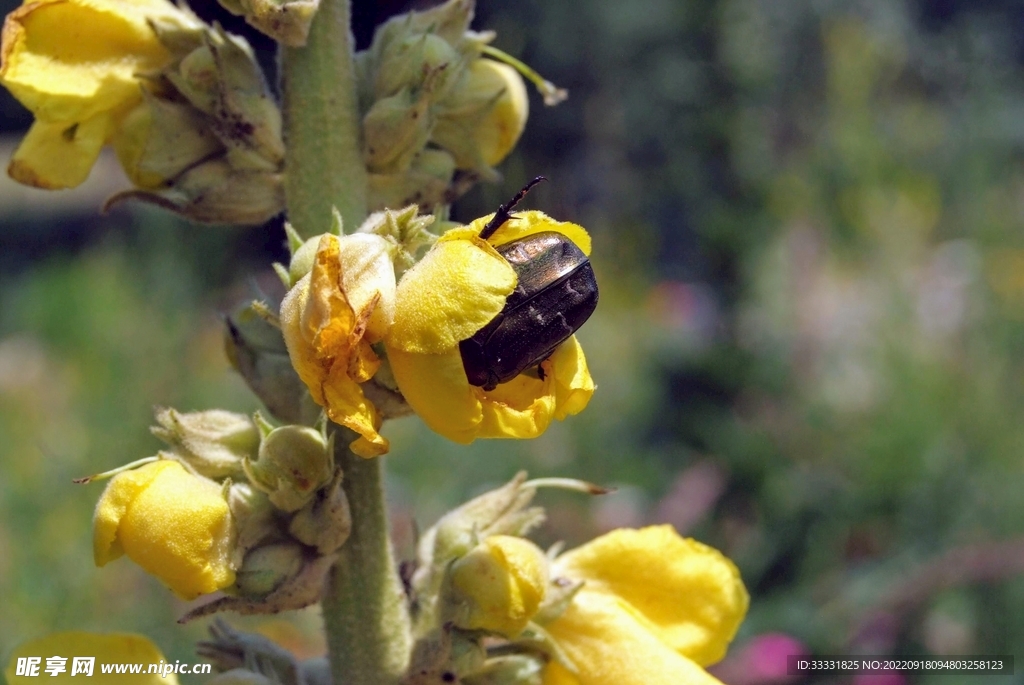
(325, 337)
(368, 273)
(609, 646)
(108, 648)
(453, 292)
(685, 594)
(59, 155)
(173, 524)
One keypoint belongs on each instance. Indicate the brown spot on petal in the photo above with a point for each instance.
(27, 176)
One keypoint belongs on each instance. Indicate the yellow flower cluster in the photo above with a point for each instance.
(80, 85)
(349, 302)
(652, 608)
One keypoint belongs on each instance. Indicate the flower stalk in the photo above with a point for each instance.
(365, 616)
(323, 163)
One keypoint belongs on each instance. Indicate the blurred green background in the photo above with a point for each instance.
(809, 236)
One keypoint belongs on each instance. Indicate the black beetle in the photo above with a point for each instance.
(555, 294)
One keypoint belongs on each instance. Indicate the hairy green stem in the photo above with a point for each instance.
(365, 615)
(364, 610)
(323, 163)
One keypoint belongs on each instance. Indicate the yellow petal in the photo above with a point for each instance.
(498, 133)
(453, 292)
(573, 385)
(520, 408)
(68, 60)
(59, 155)
(109, 648)
(173, 524)
(608, 646)
(685, 594)
(529, 222)
(435, 386)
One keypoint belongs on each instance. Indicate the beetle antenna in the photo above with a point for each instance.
(504, 212)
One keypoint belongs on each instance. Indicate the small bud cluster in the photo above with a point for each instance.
(481, 590)
(433, 105)
(206, 141)
(235, 504)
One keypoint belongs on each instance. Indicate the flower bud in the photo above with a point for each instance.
(405, 62)
(213, 442)
(405, 229)
(293, 463)
(483, 117)
(160, 139)
(503, 511)
(425, 182)
(498, 586)
(222, 79)
(256, 519)
(267, 568)
(286, 21)
(395, 130)
(325, 522)
(257, 351)
(216, 193)
(173, 524)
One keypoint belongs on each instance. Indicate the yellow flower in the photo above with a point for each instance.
(457, 289)
(331, 317)
(499, 585)
(76, 65)
(654, 610)
(109, 648)
(174, 524)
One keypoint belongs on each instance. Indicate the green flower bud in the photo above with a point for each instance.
(257, 351)
(293, 463)
(286, 21)
(222, 79)
(395, 130)
(405, 63)
(212, 442)
(256, 519)
(325, 522)
(403, 230)
(160, 139)
(425, 183)
(266, 568)
(503, 511)
(216, 193)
